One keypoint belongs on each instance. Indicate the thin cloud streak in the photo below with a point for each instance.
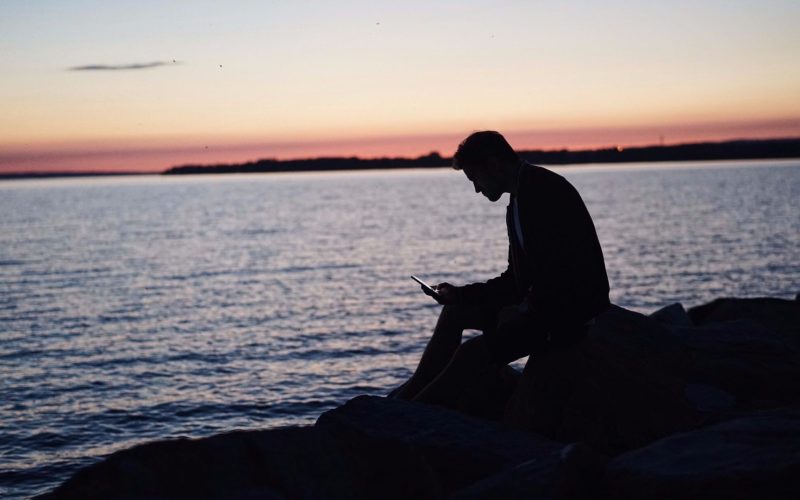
(121, 67)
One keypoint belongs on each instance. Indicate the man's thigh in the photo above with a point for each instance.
(515, 336)
(483, 318)
(518, 335)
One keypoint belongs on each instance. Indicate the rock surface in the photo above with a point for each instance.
(433, 449)
(752, 457)
(619, 388)
(744, 352)
(672, 315)
(290, 462)
(757, 366)
(489, 396)
(704, 404)
(635, 379)
(777, 315)
(368, 448)
(579, 476)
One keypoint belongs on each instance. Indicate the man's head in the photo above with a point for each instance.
(489, 162)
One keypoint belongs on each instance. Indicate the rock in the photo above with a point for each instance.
(300, 462)
(269, 464)
(411, 450)
(619, 388)
(634, 379)
(368, 448)
(488, 397)
(778, 315)
(673, 314)
(752, 457)
(522, 481)
(709, 399)
(578, 477)
(753, 365)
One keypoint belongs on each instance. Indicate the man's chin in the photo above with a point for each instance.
(493, 197)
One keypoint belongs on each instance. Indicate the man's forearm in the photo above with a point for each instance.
(500, 291)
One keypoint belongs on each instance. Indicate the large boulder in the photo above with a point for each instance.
(488, 396)
(578, 477)
(411, 450)
(752, 457)
(778, 315)
(744, 352)
(672, 315)
(755, 366)
(299, 462)
(619, 388)
(368, 448)
(634, 378)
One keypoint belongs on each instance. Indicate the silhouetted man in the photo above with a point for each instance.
(554, 286)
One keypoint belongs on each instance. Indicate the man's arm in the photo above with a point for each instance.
(495, 291)
(500, 291)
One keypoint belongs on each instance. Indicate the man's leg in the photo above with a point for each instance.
(483, 356)
(471, 362)
(444, 342)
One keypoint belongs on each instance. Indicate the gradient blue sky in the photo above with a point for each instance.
(287, 79)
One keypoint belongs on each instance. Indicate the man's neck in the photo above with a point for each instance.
(512, 177)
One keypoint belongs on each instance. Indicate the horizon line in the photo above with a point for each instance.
(610, 147)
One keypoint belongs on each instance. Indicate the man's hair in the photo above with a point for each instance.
(480, 146)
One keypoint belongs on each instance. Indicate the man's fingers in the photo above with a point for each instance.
(436, 296)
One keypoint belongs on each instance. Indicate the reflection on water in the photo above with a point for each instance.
(151, 307)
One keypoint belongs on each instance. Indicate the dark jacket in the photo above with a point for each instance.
(559, 275)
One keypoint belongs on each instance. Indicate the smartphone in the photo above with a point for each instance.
(426, 286)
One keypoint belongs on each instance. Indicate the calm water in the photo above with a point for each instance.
(140, 308)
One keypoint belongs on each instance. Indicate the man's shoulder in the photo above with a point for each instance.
(540, 179)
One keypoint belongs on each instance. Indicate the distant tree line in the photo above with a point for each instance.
(314, 164)
(730, 150)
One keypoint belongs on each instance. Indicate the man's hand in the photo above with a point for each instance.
(445, 293)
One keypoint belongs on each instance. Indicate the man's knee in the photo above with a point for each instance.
(474, 352)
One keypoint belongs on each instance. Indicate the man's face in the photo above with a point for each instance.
(485, 181)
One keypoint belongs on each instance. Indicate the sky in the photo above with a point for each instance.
(146, 85)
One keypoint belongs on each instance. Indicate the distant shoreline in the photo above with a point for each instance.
(746, 149)
(50, 175)
(728, 150)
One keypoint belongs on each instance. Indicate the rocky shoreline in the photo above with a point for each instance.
(677, 404)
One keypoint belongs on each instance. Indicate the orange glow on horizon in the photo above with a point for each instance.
(158, 154)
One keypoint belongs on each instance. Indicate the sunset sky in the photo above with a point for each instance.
(145, 85)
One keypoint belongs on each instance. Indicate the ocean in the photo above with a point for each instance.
(149, 307)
